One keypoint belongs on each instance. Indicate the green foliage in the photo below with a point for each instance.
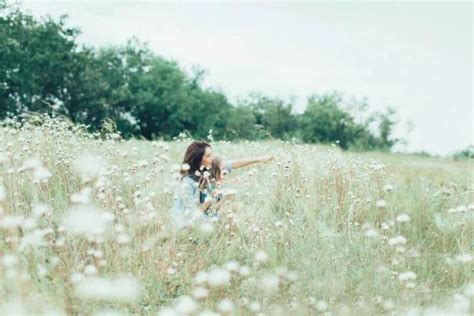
(242, 123)
(273, 115)
(42, 69)
(36, 58)
(467, 153)
(327, 121)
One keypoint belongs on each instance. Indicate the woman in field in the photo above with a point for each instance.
(194, 195)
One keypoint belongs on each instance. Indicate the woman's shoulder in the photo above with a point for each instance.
(188, 180)
(189, 177)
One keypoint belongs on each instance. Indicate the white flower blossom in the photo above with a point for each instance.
(121, 288)
(403, 218)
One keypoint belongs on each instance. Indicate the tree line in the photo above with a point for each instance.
(44, 69)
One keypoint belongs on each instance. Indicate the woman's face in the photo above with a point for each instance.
(207, 158)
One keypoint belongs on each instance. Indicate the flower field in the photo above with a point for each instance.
(84, 230)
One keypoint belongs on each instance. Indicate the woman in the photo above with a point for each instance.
(192, 199)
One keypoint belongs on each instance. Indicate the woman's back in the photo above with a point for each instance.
(188, 196)
(186, 200)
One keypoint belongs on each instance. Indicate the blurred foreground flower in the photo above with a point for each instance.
(89, 166)
(87, 220)
(122, 288)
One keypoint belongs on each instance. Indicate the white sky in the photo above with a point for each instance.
(416, 57)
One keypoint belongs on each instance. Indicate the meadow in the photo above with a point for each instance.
(84, 230)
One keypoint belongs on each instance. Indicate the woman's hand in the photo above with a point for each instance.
(240, 163)
(266, 158)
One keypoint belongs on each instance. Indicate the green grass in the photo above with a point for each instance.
(309, 210)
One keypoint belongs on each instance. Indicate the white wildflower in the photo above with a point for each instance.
(407, 276)
(218, 277)
(388, 305)
(12, 221)
(403, 218)
(31, 163)
(9, 260)
(398, 240)
(108, 312)
(292, 276)
(33, 239)
(87, 220)
(255, 306)
(400, 249)
(122, 288)
(321, 306)
(200, 292)
(469, 290)
(76, 277)
(29, 223)
(168, 311)
(201, 277)
(123, 239)
(206, 227)
(41, 270)
(370, 232)
(185, 305)
(269, 283)
(207, 312)
(232, 265)
(464, 258)
(89, 166)
(40, 210)
(41, 174)
(244, 271)
(261, 256)
(90, 269)
(381, 204)
(3, 194)
(13, 307)
(82, 197)
(225, 306)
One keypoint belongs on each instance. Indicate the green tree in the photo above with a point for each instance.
(36, 58)
(242, 123)
(273, 114)
(324, 121)
(141, 94)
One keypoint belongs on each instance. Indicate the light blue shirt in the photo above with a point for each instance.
(185, 209)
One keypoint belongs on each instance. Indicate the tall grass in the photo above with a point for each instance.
(84, 230)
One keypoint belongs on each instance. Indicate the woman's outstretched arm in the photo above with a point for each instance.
(239, 163)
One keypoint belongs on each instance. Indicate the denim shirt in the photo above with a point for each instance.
(187, 198)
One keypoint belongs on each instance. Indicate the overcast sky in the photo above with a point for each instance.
(416, 57)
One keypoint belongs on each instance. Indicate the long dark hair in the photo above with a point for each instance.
(193, 157)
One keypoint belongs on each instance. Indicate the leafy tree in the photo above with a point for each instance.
(141, 94)
(241, 123)
(274, 115)
(466, 153)
(324, 121)
(36, 57)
